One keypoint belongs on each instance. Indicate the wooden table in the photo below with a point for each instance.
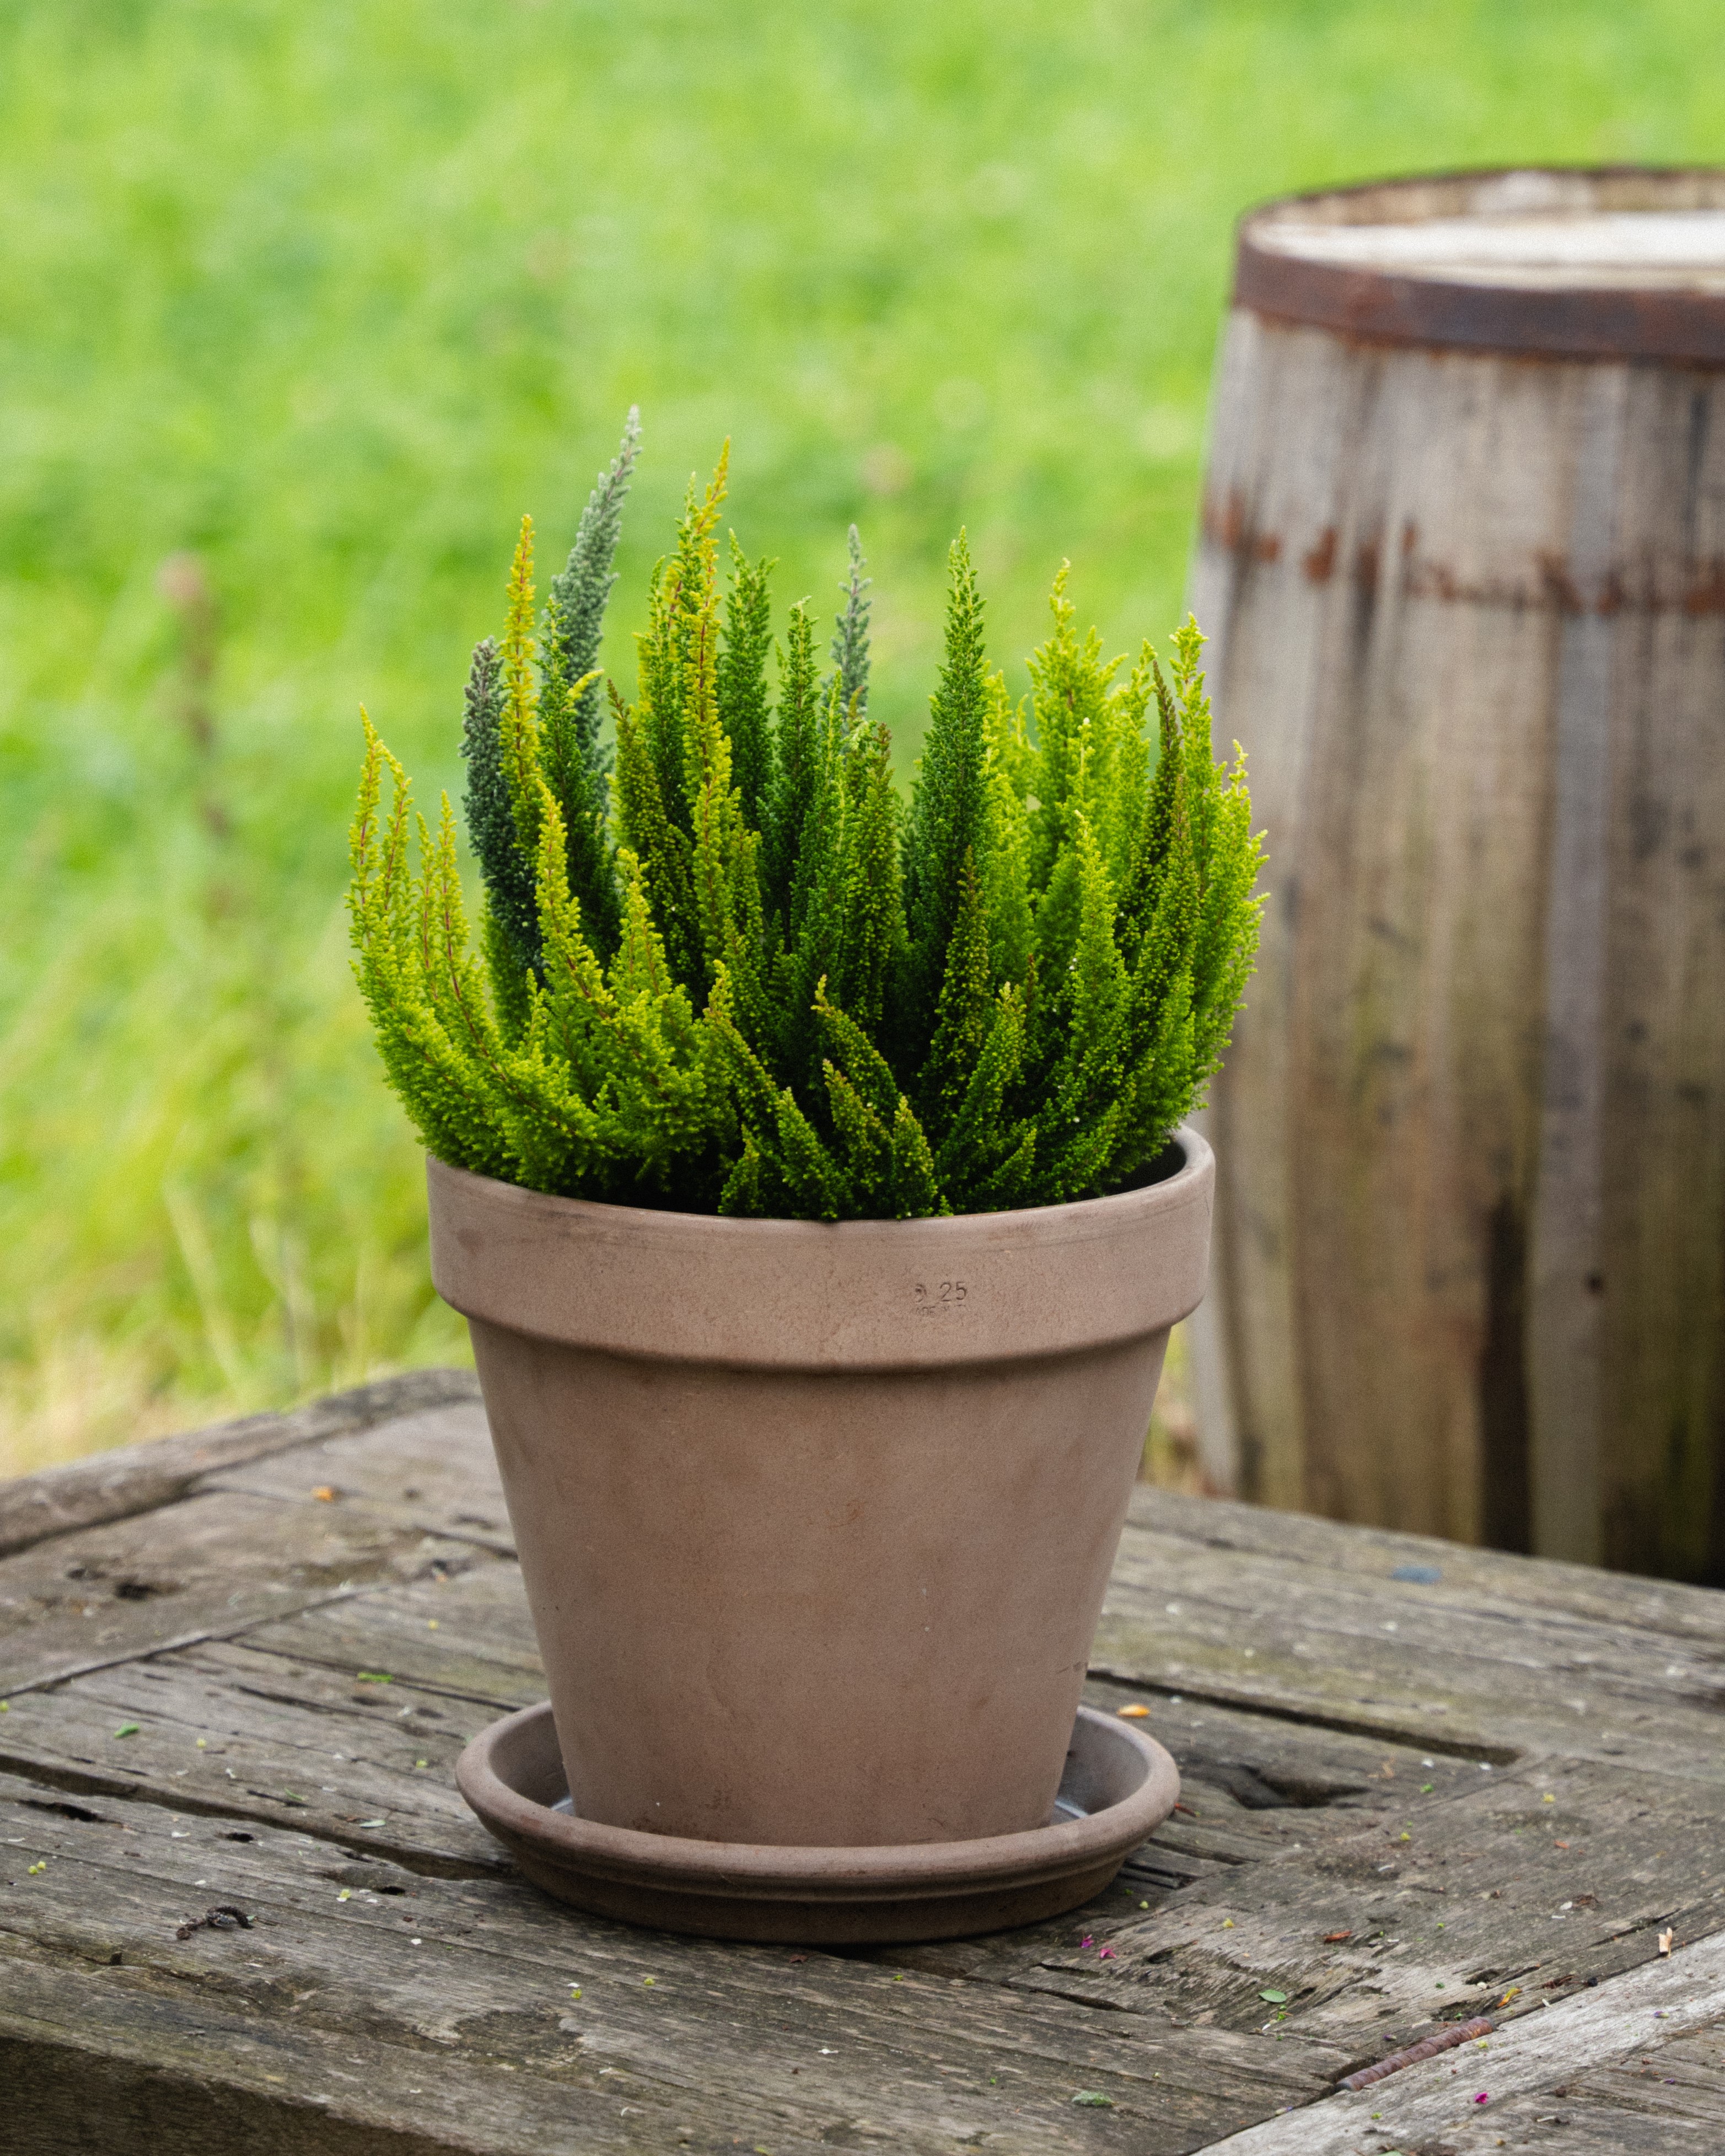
(245, 1909)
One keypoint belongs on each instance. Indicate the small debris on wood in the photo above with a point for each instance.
(224, 1916)
(1666, 1941)
(1445, 2040)
(1133, 1713)
(127, 1729)
(1335, 1939)
(324, 1493)
(372, 1676)
(1094, 2100)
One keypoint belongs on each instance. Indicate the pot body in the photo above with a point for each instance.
(815, 1523)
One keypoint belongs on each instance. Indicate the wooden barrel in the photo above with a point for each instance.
(1463, 567)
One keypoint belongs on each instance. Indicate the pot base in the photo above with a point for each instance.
(1117, 1789)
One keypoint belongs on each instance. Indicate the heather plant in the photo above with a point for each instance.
(732, 970)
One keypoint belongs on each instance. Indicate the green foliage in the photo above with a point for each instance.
(520, 733)
(850, 634)
(360, 270)
(777, 994)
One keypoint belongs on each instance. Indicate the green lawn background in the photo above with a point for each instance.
(329, 294)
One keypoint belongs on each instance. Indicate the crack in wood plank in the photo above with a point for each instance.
(1339, 1844)
(728, 2033)
(1345, 1725)
(64, 1673)
(1639, 2013)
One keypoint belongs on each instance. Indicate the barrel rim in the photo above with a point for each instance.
(1380, 306)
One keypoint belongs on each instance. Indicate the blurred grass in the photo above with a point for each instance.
(329, 294)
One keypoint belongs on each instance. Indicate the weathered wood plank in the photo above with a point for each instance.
(227, 1553)
(473, 1979)
(1397, 1831)
(1303, 1540)
(219, 1734)
(1444, 1871)
(1377, 1927)
(209, 1567)
(1670, 2096)
(1453, 1664)
(1522, 2067)
(277, 1707)
(141, 1478)
(432, 1468)
(464, 1629)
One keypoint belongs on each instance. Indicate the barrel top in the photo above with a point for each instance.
(1617, 265)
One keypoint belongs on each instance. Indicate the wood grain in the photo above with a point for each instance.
(1584, 2046)
(140, 1478)
(1339, 1844)
(1475, 1664)
(1467, 615)
(465, 1980)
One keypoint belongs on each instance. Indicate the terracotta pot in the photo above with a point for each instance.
(816, 1522)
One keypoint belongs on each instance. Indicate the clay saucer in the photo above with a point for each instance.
(1117, 1789)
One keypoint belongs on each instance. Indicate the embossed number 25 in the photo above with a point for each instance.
(947, 1292)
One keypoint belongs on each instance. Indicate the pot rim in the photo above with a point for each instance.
(1051, 1223)
(971, 1288)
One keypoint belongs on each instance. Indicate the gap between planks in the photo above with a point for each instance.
(1532, 2056)
(136, 1479)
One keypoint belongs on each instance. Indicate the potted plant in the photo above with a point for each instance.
(808, 1161)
